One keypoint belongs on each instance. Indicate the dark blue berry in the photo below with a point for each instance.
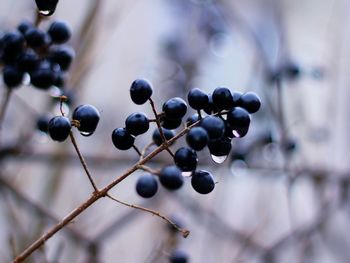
(59, 32)
(122, 139)
(88, 117)
(146, 186)
(178, 256)
(140, 91)
(12, 76)
(43, 77)
(222, 98)
(28, 61)
(42, 123)
(59, 128)
(238, 118)
(171, 177)
(220, 147)
(210, 108)
(170, 123)
(197, 99)
(24, 26)
(63, 56)
(13, 43)
(137, 123)
(175, 108)
(202, 182)
(186, 159)
(46, 7)
(36, 38)
(197, 138)
(250, 102)
(157, 139)
(192, 119)
(214, 126)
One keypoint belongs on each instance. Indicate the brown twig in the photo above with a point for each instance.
(183, 231)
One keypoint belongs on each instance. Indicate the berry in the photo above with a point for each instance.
(238, 118)
(43, 77)
(222, 98)
(250, 102)
(192, 119)
(24, 26)
(12, 76)
(28, 61)
(59, 80)
(146, 186)
(202, 182)
(170, 124)
(137, 123)
(210, 108)
(47, 7)
(214, 126)
(171, 177)
(197, 138)
(122, 139)
(236, 95)
(186, 159)
(88, 117)
(220, 147)
(63, 56)
(42, 124)
(197, 99)
(175, 108)
(178, 256)
(13, 43)
(59, 32)
(140, 91)
(36, 38)
(157, 139)
(59, 128)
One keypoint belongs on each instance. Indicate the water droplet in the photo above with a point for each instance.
(236, 134)
(186, 174)
(218, 159)
(55, 92)
(46, 12)
(86, 134)
(26, 79)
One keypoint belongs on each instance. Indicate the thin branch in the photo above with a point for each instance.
(137, 150)
(183, 231)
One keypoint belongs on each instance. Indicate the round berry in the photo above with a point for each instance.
(236, 95)
(170, 123)
(214, 126)
(220, 147)
(36, 38)
(12, 76)
(197, 99)
(186, 159)
(137, 123)
(28, 61)
(59, 128)
(13, 43)
(171, 177)
(238, 118)
(140, 91)
(197, 138)
(146, 186)
(175, 108)
(192, 119)
(42, 123)
(47, 7)
(24, 26)
(222, 98)
(178, 256)
(210, 108)
(63, 56)
(250, 102)
(88, 117)
(59, 32)
(202, 182)
(122, 139)
(157, 139)
(43, 77)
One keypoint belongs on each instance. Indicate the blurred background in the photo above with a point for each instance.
(281, 195)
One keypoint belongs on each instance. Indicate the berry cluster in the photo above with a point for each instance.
(37, 54)
(227, 117)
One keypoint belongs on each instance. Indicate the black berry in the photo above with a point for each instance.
(59, 128)
(186, 159)
(197, 99)
(192, 119)
(59, 32)
(220, 147)
(88, 117)
(178, 256)
(43, 77)
(210, 108)
(36, 38)
(170, 123)
(175, 108)
(202, 182)
(28, 61)
(42, 123)
(137, 123)
(146, 186)
(171, 177)
(250, 102)
(157, 139)
(238, 118)
(197, 138)
(122, 139)
(12, 76)
(222, 98)
(214, 126)
(24, 26)
(140, 91)
(63, 56)
(13, 43)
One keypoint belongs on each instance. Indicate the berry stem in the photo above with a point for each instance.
(145, 149)
(148, 169)
(184, 232)
(83, 163)
(137, 150)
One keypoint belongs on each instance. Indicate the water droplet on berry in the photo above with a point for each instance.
(26, 79)
(86, 134)
(45, 12)
(55, 92)
(236, 134)
(186, 174)
(218, 159)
